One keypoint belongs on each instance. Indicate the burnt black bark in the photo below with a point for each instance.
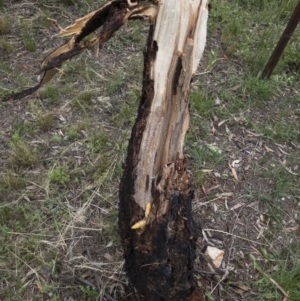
(159, 259)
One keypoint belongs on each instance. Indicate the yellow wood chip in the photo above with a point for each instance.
(139, 225)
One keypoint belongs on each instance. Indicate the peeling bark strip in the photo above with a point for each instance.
(159, 255)
(110, 16)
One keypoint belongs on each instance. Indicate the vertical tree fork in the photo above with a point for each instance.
(157, 228)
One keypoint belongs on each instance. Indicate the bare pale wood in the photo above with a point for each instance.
(180, 34)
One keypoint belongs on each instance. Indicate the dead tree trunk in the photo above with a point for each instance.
(155, 217)
(155, 190)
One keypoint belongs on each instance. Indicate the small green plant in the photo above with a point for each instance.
(202, 104)
(209, 296)
(127, 113)
(112, 230)
(258, 88)
(23, 154)
(45, 120)
(13, 180)
(100, 145)
(72, 68)
(199, 177)
(101, 167)
(22, 128)
(43, 20)
(284, 277)
(135, 31)
(27, 37)
(206, 156)
(59, 175)
(8, 47)
(89, 292)
(280, 178)
(283, 183)
(22, 79)
(85, 99)
(56, 138)
(75, 131)
(281, 130)
(50, 92)
(99, 141)
(115, 82)
(4, 24)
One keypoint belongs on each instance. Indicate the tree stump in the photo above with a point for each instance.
(157, 229)
(155, 190)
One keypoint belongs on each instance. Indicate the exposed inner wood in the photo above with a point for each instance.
(180, 36)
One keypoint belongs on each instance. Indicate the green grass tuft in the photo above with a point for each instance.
(12, 180)
(6, 45)
(206, 156)
(59, 175)
(27, 36)
(85, 99)
(23, 154)
(50, 92)
(45, 120)
(4, 24)
(288, 278)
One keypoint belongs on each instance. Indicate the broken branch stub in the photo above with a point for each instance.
(159, 254)
(110, 17)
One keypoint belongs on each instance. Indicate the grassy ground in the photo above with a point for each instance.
(61, 154)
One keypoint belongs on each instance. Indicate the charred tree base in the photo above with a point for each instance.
(159, 258)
